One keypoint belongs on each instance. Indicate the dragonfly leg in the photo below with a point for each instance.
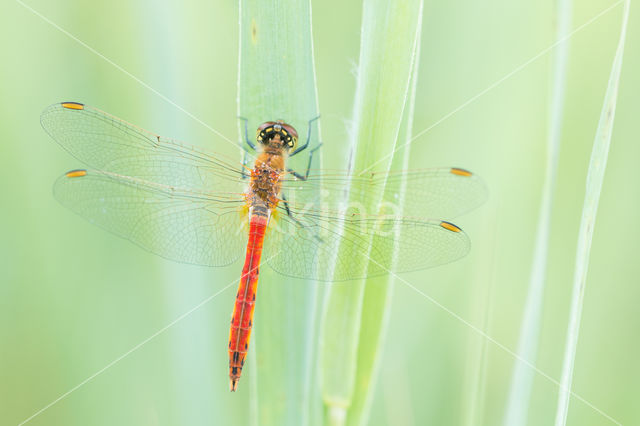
(306, 144)
(245, 158)
(306, 174)
(286, 207)
(243, 169)
(300, 224)
(246, 134)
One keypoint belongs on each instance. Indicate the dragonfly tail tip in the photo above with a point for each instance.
(233, 385)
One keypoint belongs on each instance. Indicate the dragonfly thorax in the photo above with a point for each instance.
(265, 181)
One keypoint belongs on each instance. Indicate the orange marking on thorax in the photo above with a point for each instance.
(275, 161)
(242, 317)
(265, 177)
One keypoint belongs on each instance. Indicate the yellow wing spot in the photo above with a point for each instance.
(76, 173)
(460, 172)
(72, 105)
(450, 226)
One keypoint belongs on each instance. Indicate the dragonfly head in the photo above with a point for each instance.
(277, 131)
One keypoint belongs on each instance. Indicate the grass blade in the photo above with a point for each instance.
(376, 306)
(277, 81)
(595, 176)
(387, 52)
(522, 379)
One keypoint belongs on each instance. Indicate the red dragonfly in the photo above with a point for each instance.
(192, 206)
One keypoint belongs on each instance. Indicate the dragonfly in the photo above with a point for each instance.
(193, 206)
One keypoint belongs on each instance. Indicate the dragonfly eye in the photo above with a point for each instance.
(267, 131)
(291, 141)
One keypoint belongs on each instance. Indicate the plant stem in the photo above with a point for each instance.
(387, 52)
(522, 379)
(376, 307)
(595, 177)
(277, 81)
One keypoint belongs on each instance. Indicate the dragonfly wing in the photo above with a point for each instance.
(105, 142)
(433, 193)
(175, 223)
(308, 246)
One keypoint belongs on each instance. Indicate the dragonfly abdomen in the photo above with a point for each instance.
(242, 317)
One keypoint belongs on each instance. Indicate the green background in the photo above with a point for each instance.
(74, 298)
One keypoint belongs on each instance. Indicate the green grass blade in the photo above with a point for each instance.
(477, 378)
(388, 39)
(376, 306)
(522, 379)
(277, 81)
(595, 176)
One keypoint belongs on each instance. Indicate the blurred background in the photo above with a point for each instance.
(74, 298)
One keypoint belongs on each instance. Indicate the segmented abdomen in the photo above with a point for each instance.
(241, 320)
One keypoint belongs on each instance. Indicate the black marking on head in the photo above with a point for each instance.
(268, 130)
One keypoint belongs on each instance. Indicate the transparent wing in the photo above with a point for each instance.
(105, 142)
(429, 193)
(306, 245)
(318, 240)
(185, 204)
(180, 224)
